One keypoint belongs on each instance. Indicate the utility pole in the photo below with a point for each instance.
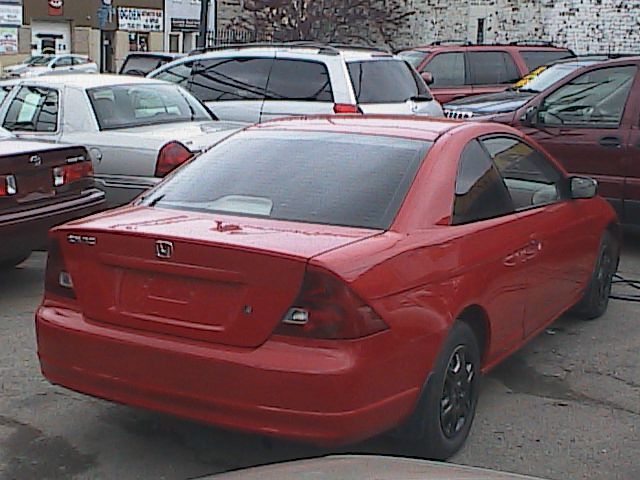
(204, 22)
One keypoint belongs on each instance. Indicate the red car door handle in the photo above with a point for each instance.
(524, 254)
(610, 142)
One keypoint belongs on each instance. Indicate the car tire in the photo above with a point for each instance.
(14, 261)
(595, 300)
(448, 403)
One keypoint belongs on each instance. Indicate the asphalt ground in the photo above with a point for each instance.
(567, 406)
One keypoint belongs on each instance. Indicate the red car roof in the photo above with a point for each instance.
(419, 128)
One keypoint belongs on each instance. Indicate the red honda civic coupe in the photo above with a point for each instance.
(328, 279)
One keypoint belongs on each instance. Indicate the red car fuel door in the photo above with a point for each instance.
(585, 125)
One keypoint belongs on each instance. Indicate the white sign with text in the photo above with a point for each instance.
(140, 19)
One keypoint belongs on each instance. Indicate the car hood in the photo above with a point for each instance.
(365, 467)
(196, 136)
(491, 103)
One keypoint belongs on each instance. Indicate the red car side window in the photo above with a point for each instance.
(480, 191)
(531, 180)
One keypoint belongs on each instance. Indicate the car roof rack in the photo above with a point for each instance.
(365, 48)
(454, 41)
(326, 48)
(532, 43)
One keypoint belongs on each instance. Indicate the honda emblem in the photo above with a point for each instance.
(164, 249)
(35, 160)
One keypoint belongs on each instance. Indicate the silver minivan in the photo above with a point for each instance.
(255, 83)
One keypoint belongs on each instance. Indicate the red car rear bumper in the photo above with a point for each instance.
(325, 396)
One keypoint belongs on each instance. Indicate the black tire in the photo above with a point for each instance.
(8, 263)
(595, 300)
(448, 403)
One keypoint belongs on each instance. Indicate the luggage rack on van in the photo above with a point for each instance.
(326, 48)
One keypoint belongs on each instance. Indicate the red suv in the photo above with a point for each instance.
(457, 71)
(589, 122)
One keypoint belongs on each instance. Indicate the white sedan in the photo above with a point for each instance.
(54, 65)
(136, 129)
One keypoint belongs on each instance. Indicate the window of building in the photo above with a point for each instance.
(138, 42)
(174, 42)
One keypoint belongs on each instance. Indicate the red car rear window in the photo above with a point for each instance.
(313, 177)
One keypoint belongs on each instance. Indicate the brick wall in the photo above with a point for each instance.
(595, 26)
(598, 26)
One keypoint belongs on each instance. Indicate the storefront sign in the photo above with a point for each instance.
(55, 7)
(10, 15)
(140, 19)
(185, 25)
(8, 41)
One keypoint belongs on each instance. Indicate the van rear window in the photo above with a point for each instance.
(311, 177)
(384, 81)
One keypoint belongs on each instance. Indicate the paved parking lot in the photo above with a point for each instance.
(566, 407)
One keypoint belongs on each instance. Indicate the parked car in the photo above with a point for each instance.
(253, 83)
(15, 70)
(365, 467)
(300, 301)
(141, 63)
(589, 122)
(137, 130)
(56, 65)
(41, 185)
(459, 70)
(513, 98)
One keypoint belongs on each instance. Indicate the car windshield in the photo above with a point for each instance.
(33, 60)
(41, 61)
(551, 75)
(309, 177)
(414, 57)
(124, 106)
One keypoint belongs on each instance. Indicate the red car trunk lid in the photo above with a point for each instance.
(189, 276)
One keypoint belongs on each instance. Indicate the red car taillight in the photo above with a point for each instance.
(58, 280)
(327, 308)
(72, 172)
(8, 185)
(346, 108)
(172, 155)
